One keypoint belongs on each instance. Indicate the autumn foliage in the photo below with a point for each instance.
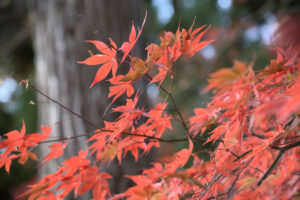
(252, 120)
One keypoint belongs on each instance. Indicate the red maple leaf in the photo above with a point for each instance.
(120, 88)
(57, 150)
(180, 158)
(15, 139)
(107, 59)
(75, 163)
(133, 38)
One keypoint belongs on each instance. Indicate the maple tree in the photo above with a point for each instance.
(253, 121)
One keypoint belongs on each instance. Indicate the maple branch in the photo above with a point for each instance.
(258, 136)
(275, 162)
(64, 107)
(123, 133)
(242, 155)
(215, 197)
(214, 179)
(179, 113)
(237, 156)
(282, 150)
(95, 126)
(232, 185)
(172, 100)
(90, 123)
(287, 147)
(69, 138)
(237, 177)
(257, 169)
(55, 101)
(155, 138)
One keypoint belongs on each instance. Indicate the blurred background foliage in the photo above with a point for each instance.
(242, 30)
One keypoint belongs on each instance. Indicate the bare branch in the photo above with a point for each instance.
(275, 162)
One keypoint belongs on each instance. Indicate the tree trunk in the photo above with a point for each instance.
(60, 28)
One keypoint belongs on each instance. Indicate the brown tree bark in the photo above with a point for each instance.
(60, 28)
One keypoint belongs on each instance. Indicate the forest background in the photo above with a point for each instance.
(242, 30)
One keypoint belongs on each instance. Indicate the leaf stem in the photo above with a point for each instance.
(173, 102)
(64, 107)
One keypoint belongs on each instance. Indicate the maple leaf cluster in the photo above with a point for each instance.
(253, 119)
(19, 146)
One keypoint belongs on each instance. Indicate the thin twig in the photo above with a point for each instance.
(258, 136)
(123, 133)
(282, 150)
(215, 197)
(257, 169)
(233, 183)
(56, 102)
(64, 107)
(214, 179)
(287, 147)
(242, 155)
(172, 100)
(237, 177)
(275, 162)
(69, 138)
(90, 123)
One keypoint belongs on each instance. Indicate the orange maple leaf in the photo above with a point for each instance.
(107, 59)
(133, 38)
(57, 150)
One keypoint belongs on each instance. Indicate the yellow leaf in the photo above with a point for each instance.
(230, 141)
(110, 152)
(138, 64)
(156, 196)
(247, 182)
(131, 76)
(223, 79)
(139, 70)
(167, 40)
(154, 52)
(239, 68)
(32, 155)
(271, 69)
